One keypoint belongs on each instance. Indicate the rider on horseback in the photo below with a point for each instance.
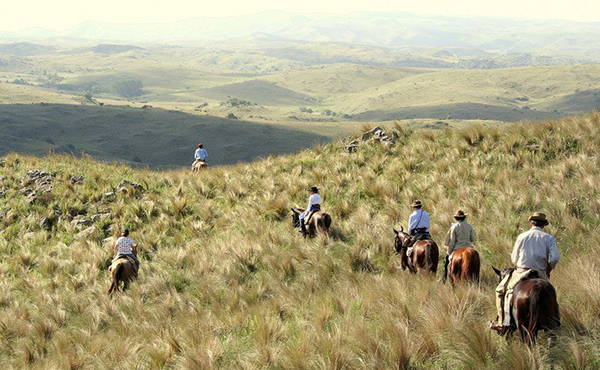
(200, 155)
(418, 222)
(460, 235)
(418, 225)
(314, 205)
(534, 254)
(126, 248)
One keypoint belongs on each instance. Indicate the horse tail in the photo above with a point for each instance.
(535, 306)
(116, 277)
(433, 256)
(472, 266)
(457, 270)
(326, 222)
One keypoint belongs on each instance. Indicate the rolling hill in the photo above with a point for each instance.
(225, 281)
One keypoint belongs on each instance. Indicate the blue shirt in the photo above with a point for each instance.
(418, 219)
(200, 154)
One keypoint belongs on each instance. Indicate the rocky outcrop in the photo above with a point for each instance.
(376, 134)
(36, 184)
(125, 185)
(77, 180)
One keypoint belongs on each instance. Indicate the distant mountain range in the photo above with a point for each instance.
(369, 28)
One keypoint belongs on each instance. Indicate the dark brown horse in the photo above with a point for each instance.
(464, 266)
(121, 270)
(533, 308)
(424, 257)
(319, 222)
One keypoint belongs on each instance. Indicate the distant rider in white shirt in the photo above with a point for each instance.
(314, 205)
(418, 222)
(126, 248)
(200, 155)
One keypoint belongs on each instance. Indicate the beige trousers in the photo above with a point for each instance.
(504, 292)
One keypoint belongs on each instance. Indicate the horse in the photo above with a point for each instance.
(464, 266)
(121, 270)
(319, 222)
(533, 308)
(424, 257)
(199, 165)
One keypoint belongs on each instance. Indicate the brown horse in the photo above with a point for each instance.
(424, 257)
(121, 270)
(199, 165)
(318, 222)
(464, 266)
(533, 308)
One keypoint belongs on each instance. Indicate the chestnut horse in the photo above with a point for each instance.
(121, 270)
(533, 308)
(464, 266)
(318, 222)
(424, 257)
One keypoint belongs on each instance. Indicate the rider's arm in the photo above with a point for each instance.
(134, 249)
(514, 257)
(473, 237)
(450, 241)
(554, 255)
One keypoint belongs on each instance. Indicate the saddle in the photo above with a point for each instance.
(316, 208)
(121, 256)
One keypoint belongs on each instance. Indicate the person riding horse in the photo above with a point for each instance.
(314, 205)
(126, 248)
(200, 155)
(535, 254)
(418, 222)
(460, 235)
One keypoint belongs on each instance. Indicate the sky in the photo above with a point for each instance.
(16, 15)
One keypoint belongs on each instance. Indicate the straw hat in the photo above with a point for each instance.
(538, 216)
(460, 214)
(416, 203)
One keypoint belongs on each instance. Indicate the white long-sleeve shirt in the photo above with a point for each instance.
(418, 219)
(314, 199)
(535, 249)
(201, 154)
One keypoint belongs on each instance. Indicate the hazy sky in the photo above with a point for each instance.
(62, 14)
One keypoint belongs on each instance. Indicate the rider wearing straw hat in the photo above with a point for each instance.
(460, 235)
(534, 253)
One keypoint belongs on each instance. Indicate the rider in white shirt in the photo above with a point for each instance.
(126, 248)
(314, 205)
(200, 155)
(418, 222)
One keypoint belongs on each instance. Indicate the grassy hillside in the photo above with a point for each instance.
(226, 283)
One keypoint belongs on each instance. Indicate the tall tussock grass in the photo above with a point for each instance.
(226, 283)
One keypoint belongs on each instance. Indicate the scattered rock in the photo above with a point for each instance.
(125, 184)
(77, 180)
(3, 178)
(2, 162)
(86, 233)
(100, 216)
(26, 191)
(81, 221)
(42, 180)
(378, 134)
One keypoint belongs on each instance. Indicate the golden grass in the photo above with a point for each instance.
(226, 283)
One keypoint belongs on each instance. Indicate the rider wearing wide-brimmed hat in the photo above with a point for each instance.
(418, 222)
(535, 254)
(314, 205)
(460, 235)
